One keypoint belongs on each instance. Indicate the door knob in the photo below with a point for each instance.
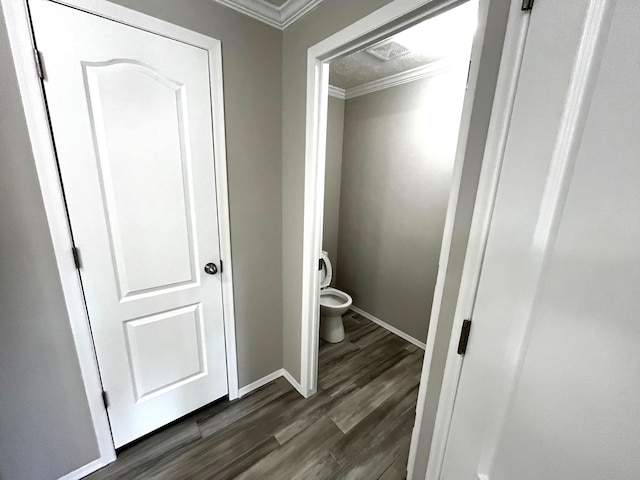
(211, 268)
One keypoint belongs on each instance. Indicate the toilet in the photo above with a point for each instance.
(333, 304)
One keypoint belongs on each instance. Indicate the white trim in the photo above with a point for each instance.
(32, 95)
(118, 13)
(260, 382)
(270, 378)
(293, 10)
(261, 11)
(84, 470)
(337, 92)
(279, 17)
(391, 328)
(418, 73)
(292, 381)
(224, 222)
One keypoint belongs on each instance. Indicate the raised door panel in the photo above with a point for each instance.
(166, 350)
(140, 130)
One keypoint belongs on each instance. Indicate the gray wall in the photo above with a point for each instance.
(45, 429)
(399, 149)
(330, 17)
(332, 181)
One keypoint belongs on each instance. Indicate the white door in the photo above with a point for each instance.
(131, 117)
(550, 384)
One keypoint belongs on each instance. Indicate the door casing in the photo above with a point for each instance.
(380, 24)
(32, 95)
(386, 21)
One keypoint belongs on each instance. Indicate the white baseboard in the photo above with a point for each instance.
(259, 383)
(270, 378)
(85, 470)
(392, 329)
(292, 381)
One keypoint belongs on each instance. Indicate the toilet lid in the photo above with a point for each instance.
(325, 271)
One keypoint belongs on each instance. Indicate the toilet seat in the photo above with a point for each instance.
(333, 304)
(332, 297)
(329, 296)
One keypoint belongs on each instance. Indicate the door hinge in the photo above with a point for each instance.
(527, 4)
(37, 56)
(105, 399)
(464, 337)
(76, 257)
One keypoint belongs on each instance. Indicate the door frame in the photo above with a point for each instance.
(396, 16)
(22, 44)
(386, 21)
(389, 19)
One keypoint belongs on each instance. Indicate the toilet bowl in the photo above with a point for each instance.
(333, 304)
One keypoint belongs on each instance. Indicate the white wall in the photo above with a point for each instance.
(399, 150)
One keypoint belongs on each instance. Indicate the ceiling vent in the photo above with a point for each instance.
(387, 50)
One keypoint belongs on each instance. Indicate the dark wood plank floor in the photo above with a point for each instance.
(357, 426)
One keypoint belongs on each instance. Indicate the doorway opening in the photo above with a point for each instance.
(393, 119)
(407, 97)
(473, 134)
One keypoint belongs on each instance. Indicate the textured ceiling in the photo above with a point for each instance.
(445, 36)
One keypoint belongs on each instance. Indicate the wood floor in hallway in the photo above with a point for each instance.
(358, 425)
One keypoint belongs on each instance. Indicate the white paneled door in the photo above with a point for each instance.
(131, 117)
(550, 384)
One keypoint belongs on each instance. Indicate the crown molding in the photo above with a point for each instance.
(429, 70)
(337, 92)
(279, 17)
(294, 10)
